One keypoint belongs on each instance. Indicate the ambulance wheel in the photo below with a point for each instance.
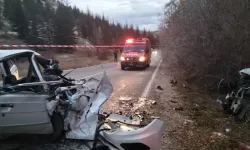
(122, 67)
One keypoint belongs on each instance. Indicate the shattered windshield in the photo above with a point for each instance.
(134, 47)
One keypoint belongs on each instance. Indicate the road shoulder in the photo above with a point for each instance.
(165, 101)
(193, 119)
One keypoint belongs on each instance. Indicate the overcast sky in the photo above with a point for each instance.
(143, 13)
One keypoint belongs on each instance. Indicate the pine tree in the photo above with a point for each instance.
(131, 31)
(38, 22)
(88, 12)
(8, 12)
(99, 36)
(31, 12)
(33, 33)
(89, 25)
(1, 15)
(48, 30)
(119, 34)
(64, 26)
(20, 24)
(137, 32)
(14, 12)
(125, 32)
(144, 34)
(83, 26)
(113, 32)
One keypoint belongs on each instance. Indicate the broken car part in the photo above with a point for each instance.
(46, 102)
(237, 102)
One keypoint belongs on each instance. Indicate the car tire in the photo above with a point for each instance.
(58, 126)
(122, 67)
(144, 67)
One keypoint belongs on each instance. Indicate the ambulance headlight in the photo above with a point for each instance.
(142, 58)
(122, 59)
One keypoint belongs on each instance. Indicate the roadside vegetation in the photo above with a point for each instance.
(210, 127)
(204, 41)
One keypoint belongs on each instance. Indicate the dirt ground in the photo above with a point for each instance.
(166, 102)
(73, 61)
(81, 58)
(193, 120)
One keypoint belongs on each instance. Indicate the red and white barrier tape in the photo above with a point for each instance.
(58, 46)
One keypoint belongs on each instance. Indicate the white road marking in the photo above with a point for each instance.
(100, 73)
(118, 90)
(147, 89)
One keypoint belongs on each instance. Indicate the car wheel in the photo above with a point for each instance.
(58, 126)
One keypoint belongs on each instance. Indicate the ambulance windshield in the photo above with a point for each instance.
(134, 47)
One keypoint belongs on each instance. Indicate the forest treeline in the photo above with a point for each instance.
(54, 22)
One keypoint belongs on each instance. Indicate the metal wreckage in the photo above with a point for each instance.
(237, 92)
(46, 102)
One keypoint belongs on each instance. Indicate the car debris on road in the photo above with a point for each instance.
(172, 101)
(152, 102)
(159, 88)
(47, 102)
(179, 108)
(173, 82)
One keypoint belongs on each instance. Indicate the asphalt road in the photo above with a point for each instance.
(129, 85)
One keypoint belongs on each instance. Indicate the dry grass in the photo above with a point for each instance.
(79, 62)
(210, 120)
(202, 125)
(80, 58)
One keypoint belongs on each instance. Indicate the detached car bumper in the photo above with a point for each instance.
(146, 138)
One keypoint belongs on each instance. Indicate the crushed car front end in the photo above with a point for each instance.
(115, 131)
(72, 106)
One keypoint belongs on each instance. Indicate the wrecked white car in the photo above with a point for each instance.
(40, 100)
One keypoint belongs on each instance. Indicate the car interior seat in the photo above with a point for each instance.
(9, 80)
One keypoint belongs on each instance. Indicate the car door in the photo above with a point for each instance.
(24, 112)
(13, 69)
